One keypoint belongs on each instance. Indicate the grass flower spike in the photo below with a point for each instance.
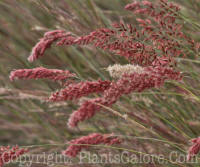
(84, 142)
(46, 42)
(117, 70)
(194, 149)
(77, 90)
(41, 73)
(8, 154)
(128, 83)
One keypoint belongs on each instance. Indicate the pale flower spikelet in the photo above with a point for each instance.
(117, 70)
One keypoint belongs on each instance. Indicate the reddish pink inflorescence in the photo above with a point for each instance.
(194, 149)
(160, 30)
(7, 154)
(77, 90)
(46, 42)
(151, 78)
(77, 145)
(41, 73)
(86, 111)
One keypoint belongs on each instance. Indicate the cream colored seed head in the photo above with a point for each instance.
(117, 70)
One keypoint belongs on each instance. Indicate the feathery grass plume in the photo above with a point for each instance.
(77, 145)
(161, 26)
(161, 12)
(159, 33)
(194, 149)
(46, 42)
(86, 111)
(77, 90)
(151, 78)
(117, 70)
(136, 82)
(41, 73)
(105, 38)
(116, 40)
(8, 154)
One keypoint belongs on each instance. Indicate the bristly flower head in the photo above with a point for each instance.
(152, 77)
(41, 73)
(84, 142)
(8, 154)
(158, 36)
(194, 149)
(46, 42)
(86, 111)
(77, 90)
(117, 70)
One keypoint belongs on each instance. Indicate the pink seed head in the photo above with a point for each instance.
(77, 145)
